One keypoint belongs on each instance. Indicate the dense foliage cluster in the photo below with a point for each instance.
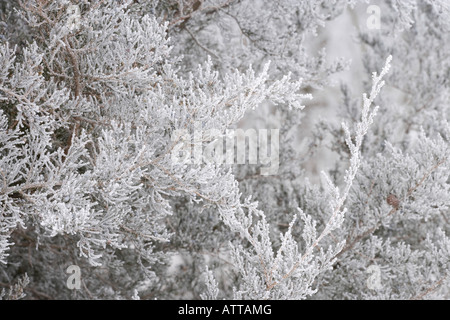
(93, 95)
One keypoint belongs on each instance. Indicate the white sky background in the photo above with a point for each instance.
(339, 39)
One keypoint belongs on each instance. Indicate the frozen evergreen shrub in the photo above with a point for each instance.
(94, 94)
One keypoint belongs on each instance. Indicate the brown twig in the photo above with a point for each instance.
(434, 287)
(76, 70)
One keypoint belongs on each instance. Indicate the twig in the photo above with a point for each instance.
(76, 70)
(200, 45)
(434, 287)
